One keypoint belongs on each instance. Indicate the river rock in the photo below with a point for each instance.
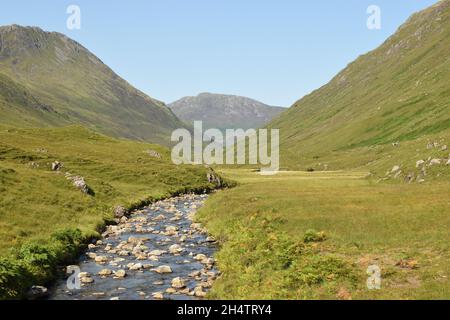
(87, 280)
(200, 257)
(198, 292)
(195, 274)
(159, 218)
(124, 253)
(83, 275)
(171, 291)
(37, 292)
(196, 226)
(163, 269)
(178, 283)
(156, 253)
(135, 267)
(206, 284)
(91, 255)
(101, 259)
(171, 230)
(99, 294)
(119, 212)
(208, 261)
(105, 272)
(158, 295)
(175, 249)
(141, 256)
(120, 274)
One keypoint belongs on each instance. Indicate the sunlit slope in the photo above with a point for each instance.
(47, 79)
(399, 92)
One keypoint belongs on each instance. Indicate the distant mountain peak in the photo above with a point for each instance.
(224, 111)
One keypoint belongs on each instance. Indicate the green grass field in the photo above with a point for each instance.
(36, 202)
(303, 235)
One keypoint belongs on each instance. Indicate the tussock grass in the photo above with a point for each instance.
(301, 235)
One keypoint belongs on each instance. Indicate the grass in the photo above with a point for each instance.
(36, 203)
(301, 235)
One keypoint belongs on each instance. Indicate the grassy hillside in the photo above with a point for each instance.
(47, 80)
(313, 235)
(399, 92)
(36, 202)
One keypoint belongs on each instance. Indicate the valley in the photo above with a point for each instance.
(359, 209)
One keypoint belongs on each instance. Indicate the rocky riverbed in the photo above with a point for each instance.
(156, 253)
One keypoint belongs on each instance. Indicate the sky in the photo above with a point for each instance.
(272, 51)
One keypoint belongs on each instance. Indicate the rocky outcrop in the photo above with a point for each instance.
(79, 183)
(120, 212)
(154, 154)
(214, 178)
(56, 166)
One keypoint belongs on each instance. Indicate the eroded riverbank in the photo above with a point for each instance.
(156, 253)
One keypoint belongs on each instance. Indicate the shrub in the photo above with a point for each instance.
(14, 279)
(315, 269)
(314, 236)
(36, 263)
(69, 244)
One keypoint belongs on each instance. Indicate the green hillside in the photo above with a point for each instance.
(47, 79)
(384, 109)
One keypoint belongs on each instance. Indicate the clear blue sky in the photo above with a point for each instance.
(273, 51)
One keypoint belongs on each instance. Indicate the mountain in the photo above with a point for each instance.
(224, 111)
(384, 108)
(47, 80)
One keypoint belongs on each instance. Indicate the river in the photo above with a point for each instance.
(156, 253)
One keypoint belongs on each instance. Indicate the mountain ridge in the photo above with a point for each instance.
(77, 86)
(398, 92)
(224, 111)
